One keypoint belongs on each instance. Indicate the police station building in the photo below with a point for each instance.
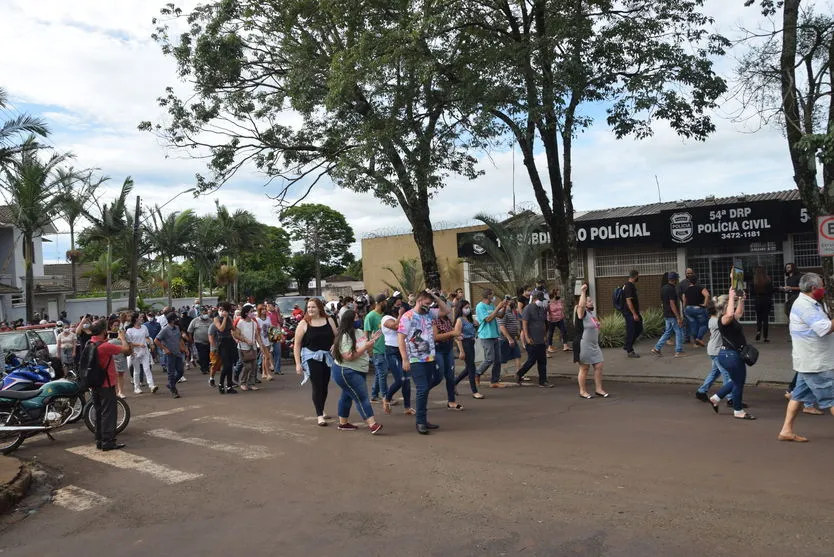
(709, 235)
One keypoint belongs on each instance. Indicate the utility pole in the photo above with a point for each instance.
(131, 302)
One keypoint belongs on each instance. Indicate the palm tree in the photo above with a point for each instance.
(98, 272)
(511, 256)
(12, 130)
(408, 278)
(204, 248)
(108, 226)
(241, 232)
(169, 235)
(30, 187)
(75, 195)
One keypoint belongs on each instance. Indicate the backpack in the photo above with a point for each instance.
(90, 372)
(619, 298)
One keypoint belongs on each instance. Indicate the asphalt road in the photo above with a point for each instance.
(527, 471)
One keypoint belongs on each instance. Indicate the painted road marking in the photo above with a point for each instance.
(265, 429)
(171, 412)
(247, 452)
(128, 461)
(77, 499)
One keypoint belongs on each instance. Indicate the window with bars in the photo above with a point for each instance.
(551, 273)
(620, 263)
(481, 269)
(805, 251)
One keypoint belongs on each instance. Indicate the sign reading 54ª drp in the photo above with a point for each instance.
(825, 235)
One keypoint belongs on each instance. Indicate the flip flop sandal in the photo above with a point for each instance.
(386, 406)
(606, 395)
(455, 407)
(586, 396)
(794, 437)
(745, 417)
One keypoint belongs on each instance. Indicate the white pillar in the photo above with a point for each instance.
(467, 282)
(681, 261)
(591, 276)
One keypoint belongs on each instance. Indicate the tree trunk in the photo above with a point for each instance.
(109, 280)
(317, 258)
(424, 238)
(200, 286)
(73, 258)
(28, 261)
(167, 264)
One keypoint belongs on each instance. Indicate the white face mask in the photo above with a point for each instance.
(467, 311)
(541, 303)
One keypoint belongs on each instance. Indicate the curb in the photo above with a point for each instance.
(12, 492)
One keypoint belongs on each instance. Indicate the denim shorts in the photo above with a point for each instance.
(815, 388)
(509, 352)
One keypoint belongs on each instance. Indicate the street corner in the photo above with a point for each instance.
(15, 481)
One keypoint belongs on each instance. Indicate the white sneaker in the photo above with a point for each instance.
(182, 380)
(137, 392)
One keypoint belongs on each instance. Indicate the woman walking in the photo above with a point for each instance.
(588, 352)
(466, 328)
(349, 372)
(444, 342)
(139, 339)
(729, 357)
(556, 320)
(247, 333)
(763, 292)
(226, 348)
(713, 350)
(265, 357)
(313, 340)
(389, 325)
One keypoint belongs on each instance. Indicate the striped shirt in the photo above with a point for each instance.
(812, 346)
(511, 322)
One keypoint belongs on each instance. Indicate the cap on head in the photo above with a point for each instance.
(674, 276)
(397, 295)
(539, 295)
(380, 298)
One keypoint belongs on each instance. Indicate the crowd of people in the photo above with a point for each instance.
(416, 339)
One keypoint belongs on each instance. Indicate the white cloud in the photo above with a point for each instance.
(96, 72)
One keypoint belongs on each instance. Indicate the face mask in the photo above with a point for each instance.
(590, 308)
(204, 316)
(467, 311)
(423, 310)
(818, 294)
(492, 300)
(153, 319)
(541, 303)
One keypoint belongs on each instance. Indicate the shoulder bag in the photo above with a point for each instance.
(748, 352)
(250, 354)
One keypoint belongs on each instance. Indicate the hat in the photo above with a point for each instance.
(397, 294)
(380, 298)
(538, 295)
(674, 276)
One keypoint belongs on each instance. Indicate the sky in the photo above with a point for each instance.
(91, 69)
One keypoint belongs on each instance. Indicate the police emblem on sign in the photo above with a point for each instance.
(681, 227)
(477, 248)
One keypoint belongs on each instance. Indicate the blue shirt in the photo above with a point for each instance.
(467, 329)
(487, 329)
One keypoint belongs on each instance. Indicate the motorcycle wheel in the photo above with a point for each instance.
(122, 415)
(9, 441)
(77, 408)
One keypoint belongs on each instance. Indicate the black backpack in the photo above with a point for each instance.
(618, 298)
(90, 372)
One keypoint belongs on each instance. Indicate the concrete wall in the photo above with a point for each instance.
(378, 253)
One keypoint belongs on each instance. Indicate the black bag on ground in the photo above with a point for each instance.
(90, 373)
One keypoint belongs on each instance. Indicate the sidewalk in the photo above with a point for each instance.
(15, 480)
(773, 367)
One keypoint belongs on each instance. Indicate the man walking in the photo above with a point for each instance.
(673, 316)
(533, 332)
(276, 321)
(373, 323)
(487, 314)
(104, 397)
(198, 334)
(813, 354)
(169, 340)
(689, 280)
(631, 314)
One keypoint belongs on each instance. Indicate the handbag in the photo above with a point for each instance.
(249, 355)
(748, 352)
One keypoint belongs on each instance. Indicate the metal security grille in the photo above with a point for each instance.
(805, 251)
(551, 273)
(620, 263)
(479, 270)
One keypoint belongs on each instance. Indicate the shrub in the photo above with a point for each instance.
(612, 331)
(653, 323)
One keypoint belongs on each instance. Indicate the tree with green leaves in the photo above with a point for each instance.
(100, 269)
(108, 223)
(265, 269)
(169, 235)
(203, 247)
(375, 84)
(787, 77)
(30, 187)
(240, 232)
(511, 257)
(326, 235)
(75, 196)
(408, 278)
(18, 132)
(544, 64)
(302, 269)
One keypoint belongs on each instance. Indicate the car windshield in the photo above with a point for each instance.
(48, 336)
(12, 342)
(288, 303)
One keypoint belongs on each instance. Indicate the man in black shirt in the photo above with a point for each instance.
(631, 313)
(682, 286)
(673, 316)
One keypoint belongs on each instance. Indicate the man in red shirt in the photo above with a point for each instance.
(104, 397)
(276, 321)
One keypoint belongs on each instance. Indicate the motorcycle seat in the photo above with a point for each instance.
(20, 395)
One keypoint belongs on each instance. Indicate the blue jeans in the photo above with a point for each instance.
(401, 380)
(713, 375)
(469, 364)
(380, 375)
(735, 366)
(698, 320)
(446, 368)
(354, 389)
(175, 366)
(492, 357)
(422, 373)
(276, 356)
(671, 327)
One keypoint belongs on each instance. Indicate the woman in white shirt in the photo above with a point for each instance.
(140, 359)
(248, 337)
(265, 357)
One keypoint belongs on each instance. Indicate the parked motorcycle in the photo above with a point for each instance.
(22, 376)
(289, 325)
(52, 406)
